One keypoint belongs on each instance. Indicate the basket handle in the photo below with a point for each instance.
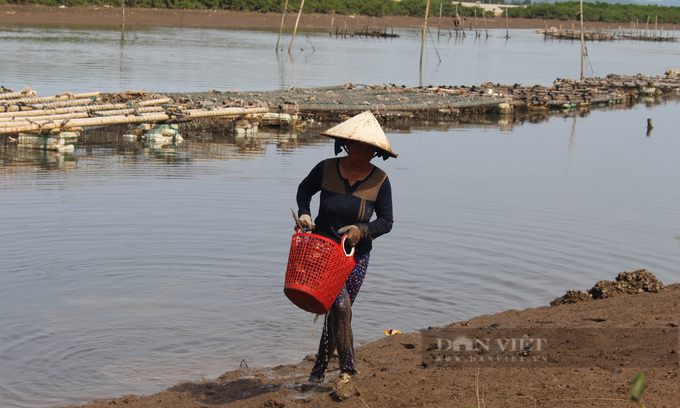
(342, 244)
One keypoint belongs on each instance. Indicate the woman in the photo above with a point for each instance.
(352, 189)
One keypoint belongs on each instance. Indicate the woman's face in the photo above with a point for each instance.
(361, 151)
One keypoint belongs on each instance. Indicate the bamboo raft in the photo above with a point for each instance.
(365, 32)
(22, 112)
(602, 35)
(243, 112)
(576, 35)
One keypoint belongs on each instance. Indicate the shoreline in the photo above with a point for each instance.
(393, 371)
(111, 18)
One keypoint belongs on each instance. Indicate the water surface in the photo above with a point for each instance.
(127, 268)
(190, 60)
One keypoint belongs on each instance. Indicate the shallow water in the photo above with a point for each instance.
(54, 60)
(126, 269)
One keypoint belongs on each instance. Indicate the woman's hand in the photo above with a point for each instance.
(305, 221)
(354, 233)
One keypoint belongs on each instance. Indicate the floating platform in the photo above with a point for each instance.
(575, 34)
(390, 100)
(243, 112)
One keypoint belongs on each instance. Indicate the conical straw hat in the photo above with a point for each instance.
(363, 128)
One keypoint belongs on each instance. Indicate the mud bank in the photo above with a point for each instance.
(109, 17)
(393, 373)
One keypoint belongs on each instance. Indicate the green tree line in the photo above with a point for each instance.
(598, 11)
(374, 8)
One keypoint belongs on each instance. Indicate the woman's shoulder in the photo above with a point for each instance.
(378, 173)
(331, 160)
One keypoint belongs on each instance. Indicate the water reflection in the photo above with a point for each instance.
(210, 140)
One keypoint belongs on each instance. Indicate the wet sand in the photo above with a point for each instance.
(110, 17)
(392, 373)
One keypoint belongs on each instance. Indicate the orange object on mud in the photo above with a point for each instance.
(317, 269)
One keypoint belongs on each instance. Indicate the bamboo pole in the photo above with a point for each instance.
(434, 45)
(486, 30)
(460, 23)
(582, 43)
(81, 108)
(296, 25)
(55, 98)
(476, 32)
(60, 104)
(144, 118)
(439, 26)
(646, 26)
(422, 44)
(457, 20)
(507, 24)
(25, 120)
(283, 18)
(122, 26)
(14, 95)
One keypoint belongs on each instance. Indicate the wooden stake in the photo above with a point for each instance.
(439, 26)
(296, 25)
(646, 26)
(122, 26)
(507, 24)
(422, 44)
(476, 32)
(582, 42)
(283, 18)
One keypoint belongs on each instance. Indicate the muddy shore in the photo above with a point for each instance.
(110, 17)
(394, 372)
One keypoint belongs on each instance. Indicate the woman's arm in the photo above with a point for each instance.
(383, 210)
(307, 188)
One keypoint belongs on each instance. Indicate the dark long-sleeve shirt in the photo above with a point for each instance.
(341, 204)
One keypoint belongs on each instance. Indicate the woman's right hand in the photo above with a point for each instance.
(305, 221)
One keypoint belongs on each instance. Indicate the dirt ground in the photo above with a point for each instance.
(112, 17)
(394, 373)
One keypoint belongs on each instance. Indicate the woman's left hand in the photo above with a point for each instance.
(354, 234)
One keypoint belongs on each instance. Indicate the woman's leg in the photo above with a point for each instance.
(337, 329)
(344, 336)
(328, 342)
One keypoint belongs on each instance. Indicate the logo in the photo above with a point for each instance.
(551, 347)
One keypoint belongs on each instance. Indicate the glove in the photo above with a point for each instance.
(354, 233)
(305, 222)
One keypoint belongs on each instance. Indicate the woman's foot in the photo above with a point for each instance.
(315, 380)
(346, 386)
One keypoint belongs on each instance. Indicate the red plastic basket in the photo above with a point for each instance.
(317, 269)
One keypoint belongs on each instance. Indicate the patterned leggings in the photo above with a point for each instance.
(337, 328)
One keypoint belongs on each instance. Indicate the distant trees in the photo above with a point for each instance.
(598, 11)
